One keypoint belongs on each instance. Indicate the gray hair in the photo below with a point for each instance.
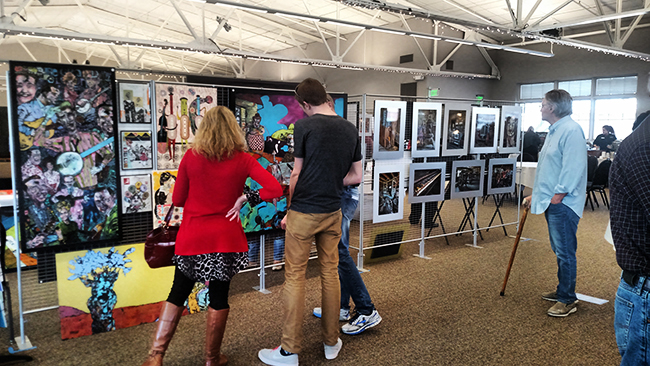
(561, 101)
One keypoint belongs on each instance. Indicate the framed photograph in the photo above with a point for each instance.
(510, 131)
(484, 130)
(388, 193)
(134, 102)
(137, 150)
(64, 155)
(501, 176)
(390, 123)
(427, 182)
(455, 129)
(425, 139)
(467, 178)
(136, 193)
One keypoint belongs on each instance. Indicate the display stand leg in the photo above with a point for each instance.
(476, 228)
(421, 255)
(498, 203)
(262, 287)
(470, 204)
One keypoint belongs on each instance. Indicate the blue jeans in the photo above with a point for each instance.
(630, 323)
(278, 249)
(562, 228)
(351, 283)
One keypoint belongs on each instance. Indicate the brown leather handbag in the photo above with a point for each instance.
(160, 244)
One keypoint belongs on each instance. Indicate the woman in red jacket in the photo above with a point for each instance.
(211, 245)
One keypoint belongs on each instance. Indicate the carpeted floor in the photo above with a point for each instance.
(442, 311)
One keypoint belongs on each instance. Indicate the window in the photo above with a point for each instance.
(616, 86)
(535, 91)
(531, 116)
(582, 114)
(577, 88)
(618, 113)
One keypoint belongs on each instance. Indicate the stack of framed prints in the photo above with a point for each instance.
(467, 178)
(501, 176)
(427, 119)
(510, 135)
(456, 129)
(484, 130)
(387, 200)
(427, 182)
(390, 122)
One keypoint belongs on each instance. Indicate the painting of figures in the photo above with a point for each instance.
(65, 149)
(136, 150)
(134, 102)
(136, 193)
(180, 111)
(163, 189)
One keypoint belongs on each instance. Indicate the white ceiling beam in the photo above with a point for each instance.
(27, 50)
(629, 31)
(608, 28)
(429, 64)
(512, 14)
(184, 19)
(617, 29)
(520, 13)
(530, 14)
(469, 11)
(363, 31)
(598, 19)
(94, 24)
(567, 2)
(490, 61)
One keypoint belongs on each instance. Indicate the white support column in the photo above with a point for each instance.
(262, 287)
(362, 195)
(421, 255)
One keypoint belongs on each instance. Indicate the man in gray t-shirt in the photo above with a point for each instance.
(328, 157)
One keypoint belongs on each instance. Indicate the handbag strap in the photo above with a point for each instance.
(168, 217)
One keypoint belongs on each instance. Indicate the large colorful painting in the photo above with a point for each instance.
(267, 120)
(136, 150)
(180, 111)
(163, 189)
(63, 126)
(108, 289)
(135, 102)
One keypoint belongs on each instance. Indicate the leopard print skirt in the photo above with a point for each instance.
(211, 266)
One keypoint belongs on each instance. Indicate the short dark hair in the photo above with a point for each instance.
(642, 117)
(609, 129)
(311, 91)
(561, 101)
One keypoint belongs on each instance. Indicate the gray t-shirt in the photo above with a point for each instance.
(328, 146)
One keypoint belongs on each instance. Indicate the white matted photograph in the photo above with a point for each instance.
(427, 182)
(485, 123)
(388, 193)
(467, 178)
(427, 120)
(455, 129)
(136, 193)
(135, 102)
(501, 176)
(390, 123)
(510, 131)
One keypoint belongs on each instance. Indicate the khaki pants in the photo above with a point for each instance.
(302, 230)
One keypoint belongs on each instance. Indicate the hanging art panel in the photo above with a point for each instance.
(163, 189)
(180, 111)
(388, 193)
(137, 150)
(427, 182)
(108, 289)
(267, 119)
(390, 124)
(134, 102)
(510, 132)
(456, 129)
(136, 193)
(501, 176)
(485, 124)
(467, 178)
(427, 120)
(65, 153)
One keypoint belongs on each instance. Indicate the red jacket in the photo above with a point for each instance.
(208, 190)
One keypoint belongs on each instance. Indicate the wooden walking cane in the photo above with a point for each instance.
(514, 248)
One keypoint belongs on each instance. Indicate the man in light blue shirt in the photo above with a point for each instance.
(560, 192)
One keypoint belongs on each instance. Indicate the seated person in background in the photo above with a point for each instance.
(531, 144)
(605, 140)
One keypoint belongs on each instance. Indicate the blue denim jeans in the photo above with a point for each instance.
(562, 228)
(631, 324)
(278, 249)
(351, 283)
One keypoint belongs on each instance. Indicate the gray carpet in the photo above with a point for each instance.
(442, 311)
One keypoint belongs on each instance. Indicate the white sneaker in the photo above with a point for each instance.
(359, 323)
(344, 315)
(273, 357)
(332, 351)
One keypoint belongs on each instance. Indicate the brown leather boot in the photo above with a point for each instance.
(170, 314)
(215, 327)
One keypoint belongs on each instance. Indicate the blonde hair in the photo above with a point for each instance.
(219, 136)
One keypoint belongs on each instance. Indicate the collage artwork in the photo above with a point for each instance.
(268, 121)
(66, 158)
(180, 111)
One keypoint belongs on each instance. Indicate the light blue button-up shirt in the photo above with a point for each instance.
(562, 168)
